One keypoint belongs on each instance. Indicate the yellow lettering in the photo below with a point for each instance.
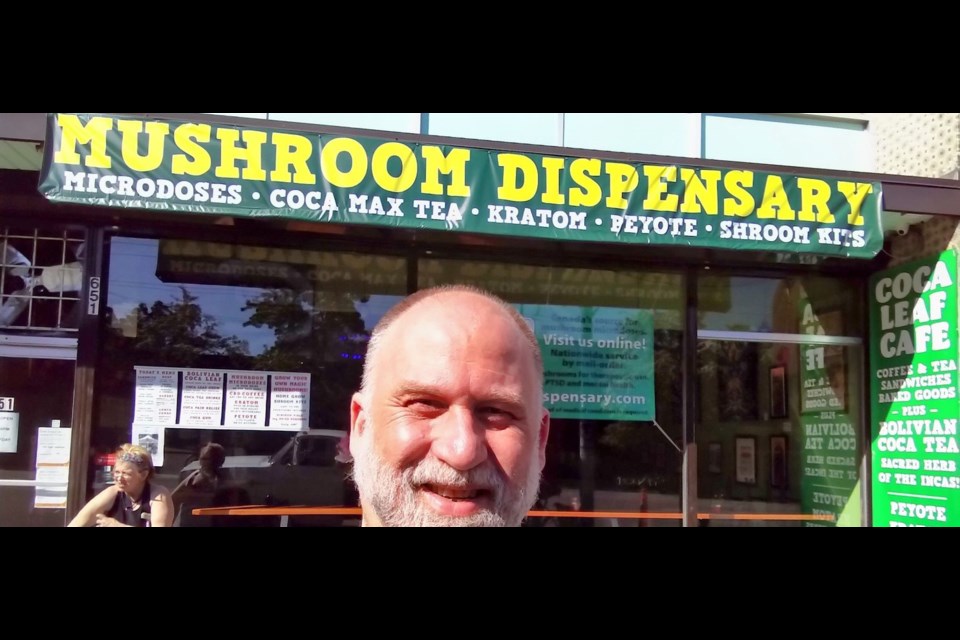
(408, 166)
(623, 179)
(814, 196)
(775, 203)
(589, 193)
(186, 137)
(130, 140)
(453, 164)
(740, 202)
(93, 133)
(230, 153)
(295, 150)
(657, 197)
(855, 193)
(358, 162)
(553, 168)
(697, 193)
(512, 163)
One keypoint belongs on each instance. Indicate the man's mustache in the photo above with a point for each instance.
(433, 471)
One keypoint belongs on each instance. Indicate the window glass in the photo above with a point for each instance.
(611, 342)
(41, 274)
(779, 305)
(255, 116)
(41, 391)
(778, 434)
(670, 134)
(789, 141)
(403, 122)
(190, 305)
(530, 128)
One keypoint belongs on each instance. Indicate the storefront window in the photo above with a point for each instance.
(668, 134)
(529, 128)
(779, 435)
(611, 342)
(188, 323)
(779, 426)
(36, 395)
(41, 274)
(789, 140)
(773, 305)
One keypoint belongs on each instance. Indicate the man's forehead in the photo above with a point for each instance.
(454, 308)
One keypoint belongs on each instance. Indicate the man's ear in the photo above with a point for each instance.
(543, 434)
(358, 419)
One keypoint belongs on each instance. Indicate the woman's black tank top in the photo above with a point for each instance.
(122, 509)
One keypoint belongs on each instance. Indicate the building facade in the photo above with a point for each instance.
(726, 345)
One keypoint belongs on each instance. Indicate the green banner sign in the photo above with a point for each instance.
(830, 449)
(914, 389)
(597, 361)
(197, 167)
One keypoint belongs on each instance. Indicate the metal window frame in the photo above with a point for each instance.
(41, 347)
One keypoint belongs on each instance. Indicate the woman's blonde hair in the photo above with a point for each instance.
(136, 455)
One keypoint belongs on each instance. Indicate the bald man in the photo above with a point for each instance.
(448, 427)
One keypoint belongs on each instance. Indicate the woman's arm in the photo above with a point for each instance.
(99, 504)
(161, 507)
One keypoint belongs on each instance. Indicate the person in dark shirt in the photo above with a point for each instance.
(199, 488)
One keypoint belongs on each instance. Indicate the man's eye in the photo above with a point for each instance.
(422, 404)
(496, 413)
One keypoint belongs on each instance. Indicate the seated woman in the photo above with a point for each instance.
(131, 501)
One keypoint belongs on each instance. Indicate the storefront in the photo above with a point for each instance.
(711, 332)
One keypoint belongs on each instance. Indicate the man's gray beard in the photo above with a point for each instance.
(393, 495)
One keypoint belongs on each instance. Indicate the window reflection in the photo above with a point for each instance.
(594, 465)
(778, 439)
(184, 303)
(773, 305)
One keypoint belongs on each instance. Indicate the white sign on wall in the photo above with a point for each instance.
(53, 466)
(192, 398)
(9, 428)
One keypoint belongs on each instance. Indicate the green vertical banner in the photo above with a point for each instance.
(597, 361)
(829, 444)
(913, 392)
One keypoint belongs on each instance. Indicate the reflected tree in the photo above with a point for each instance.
(639, 450)
(175, 333)
(318, 332)
(179, 334)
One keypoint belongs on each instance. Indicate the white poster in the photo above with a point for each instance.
(150, 437)
(51, 496)
(53, 446)
(9, 429)
(289, 400)
(156, 395)
(202, 401)
(184, 398)
(246, 399)
(53, 466)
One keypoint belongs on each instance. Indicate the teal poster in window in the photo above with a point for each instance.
(914, 394)
(598, 361)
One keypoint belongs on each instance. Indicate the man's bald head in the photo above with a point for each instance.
(377, 336)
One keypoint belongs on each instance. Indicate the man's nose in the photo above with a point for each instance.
(459, 439)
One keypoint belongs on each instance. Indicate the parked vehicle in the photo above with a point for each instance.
(306, 471)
